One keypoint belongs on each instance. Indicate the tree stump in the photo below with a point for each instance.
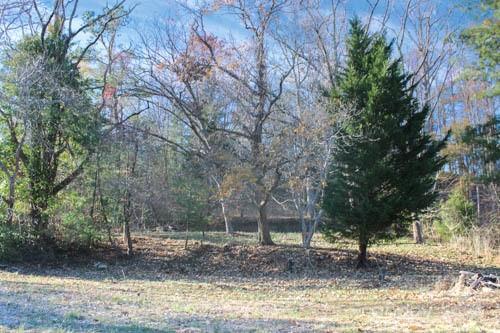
(418, 235)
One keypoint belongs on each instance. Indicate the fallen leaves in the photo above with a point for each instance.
(237, 286)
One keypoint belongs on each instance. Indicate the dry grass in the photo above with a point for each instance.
(230, 285)
(482, 241)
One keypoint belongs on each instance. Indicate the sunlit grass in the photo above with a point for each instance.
(73, 300)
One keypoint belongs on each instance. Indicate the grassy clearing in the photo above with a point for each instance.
(323, 294)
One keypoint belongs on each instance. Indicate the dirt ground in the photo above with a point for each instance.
(229, 284)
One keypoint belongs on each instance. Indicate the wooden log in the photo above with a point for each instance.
(475, 284)
(491, 284)
(476, 280)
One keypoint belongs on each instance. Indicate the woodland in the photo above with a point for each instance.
(260, 166)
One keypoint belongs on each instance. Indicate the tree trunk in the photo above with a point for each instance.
(307, 230)
(309, 227)
(263, 227)
(187, 233)
(222, 202)
(127, 205)
(227, 221)
(478, 203)
(12, 195)
(362, 258)
(303, 227)
(110, 239)
(306, 239)
(11, 199)
(311, 230)
(418, 235)
(10, 211)
(127, 239)
(38, 218)
(127, 213)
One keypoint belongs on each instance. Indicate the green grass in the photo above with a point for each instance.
(79, 299)
(73, 316)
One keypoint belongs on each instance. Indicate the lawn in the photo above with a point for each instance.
(222, 284)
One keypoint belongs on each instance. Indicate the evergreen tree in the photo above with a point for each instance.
(383, 171)
(483, 38)
(482, 149)
(60, 122)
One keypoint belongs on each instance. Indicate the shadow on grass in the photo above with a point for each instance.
(17, 316)
(14, 315)
(41, 312)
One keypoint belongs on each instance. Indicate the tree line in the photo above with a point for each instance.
(360, 126)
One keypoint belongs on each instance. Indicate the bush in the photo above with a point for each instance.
(79, 231)
(13, 242)
(441, 231)
(456, 215)
(73, 226)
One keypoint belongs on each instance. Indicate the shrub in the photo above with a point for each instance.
(13, 242)
(73, 226)
(441, 231)
(456, 215)
(79, 231)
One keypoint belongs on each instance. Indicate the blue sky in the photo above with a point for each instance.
(147, 11)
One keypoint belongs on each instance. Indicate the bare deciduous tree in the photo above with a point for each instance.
(256, 94)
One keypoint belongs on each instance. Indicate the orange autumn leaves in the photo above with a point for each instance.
(113, 78)
(197, 61)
